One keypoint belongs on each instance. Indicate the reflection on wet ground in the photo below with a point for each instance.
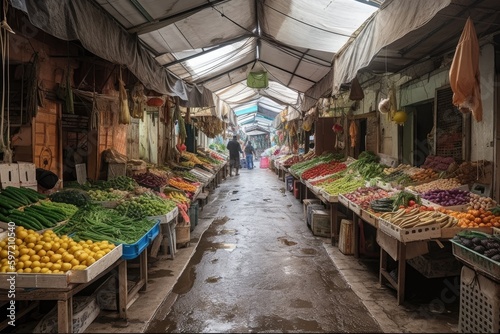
(258, 268)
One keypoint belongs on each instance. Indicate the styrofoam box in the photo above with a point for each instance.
(306, 203)
(310, 209)
(27, 174)
(9, 175)
(320, 223)
(479, 303)
(343, 200)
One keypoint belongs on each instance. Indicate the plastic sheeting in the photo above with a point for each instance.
(464, 73)
(391, 23)
(80, 20)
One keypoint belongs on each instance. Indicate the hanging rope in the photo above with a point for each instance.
(5, 30)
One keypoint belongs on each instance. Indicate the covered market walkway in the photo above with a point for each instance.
(254, 265)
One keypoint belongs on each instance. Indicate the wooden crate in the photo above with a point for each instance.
(26, 280)
(431, 231)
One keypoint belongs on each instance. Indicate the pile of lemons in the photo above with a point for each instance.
(48, 253)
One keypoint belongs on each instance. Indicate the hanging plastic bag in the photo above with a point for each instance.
(124, 110)
(356, 93)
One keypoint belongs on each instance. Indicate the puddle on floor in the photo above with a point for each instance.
(308, 251)
(230, 232)
(286, 241)
(213, 279)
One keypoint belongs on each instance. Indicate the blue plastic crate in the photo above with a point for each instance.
(131, 251)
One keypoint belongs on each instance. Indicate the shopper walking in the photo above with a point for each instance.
(234, 149)
(249, 154)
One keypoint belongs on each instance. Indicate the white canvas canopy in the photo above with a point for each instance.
(202, 51)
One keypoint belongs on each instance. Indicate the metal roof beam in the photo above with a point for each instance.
(282, 69)
(229, 42)
(226, 72)
(163, 22)
(141, 9)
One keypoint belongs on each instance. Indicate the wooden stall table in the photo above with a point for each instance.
(64, 295)
(128, 294)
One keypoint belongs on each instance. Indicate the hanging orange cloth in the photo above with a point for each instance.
(464, 73)
(353, 133)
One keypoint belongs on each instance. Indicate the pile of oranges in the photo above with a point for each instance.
(49, 253)
(475, 218)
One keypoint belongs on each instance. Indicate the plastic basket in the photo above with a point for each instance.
(477, 261)
(264, 162)
(131, 251)
(479, 303)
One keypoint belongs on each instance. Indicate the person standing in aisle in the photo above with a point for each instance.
(249, 154)
(234, 149)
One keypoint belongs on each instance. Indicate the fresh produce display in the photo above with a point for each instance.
(467, 171)
(438, 163)
(425, 175)
(416, 217)
(291, 160)
(302, 166)
(186, 175)
(343, 185)
(40, 216)
(70, 196)
(120, 183)
(191, 157)
(177, 197)
(479, 202)
(183, 185)
(150, 180)
(323, 181)
(451, 197)
(443, 184)
(145, 206)
(495, 210)
(482, 243)
(474, 218)
(107, 195)
(13, 198)
(405, 199)
(49, 253)
(363, 196)
(323, 169)
(382, 205)
(98, 224)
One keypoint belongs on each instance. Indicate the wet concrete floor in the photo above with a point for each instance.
(258, 268)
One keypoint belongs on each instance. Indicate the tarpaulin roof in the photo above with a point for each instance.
(202, 50)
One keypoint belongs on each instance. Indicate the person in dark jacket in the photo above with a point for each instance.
(234, 149)
(249, 154)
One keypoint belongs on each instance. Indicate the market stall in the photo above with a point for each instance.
(414, 211)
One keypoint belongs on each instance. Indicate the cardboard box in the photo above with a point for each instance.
(306, 203)
(85, 310)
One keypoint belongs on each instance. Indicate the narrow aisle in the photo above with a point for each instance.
(258, 268)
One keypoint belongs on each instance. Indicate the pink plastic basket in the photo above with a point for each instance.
(264, 162)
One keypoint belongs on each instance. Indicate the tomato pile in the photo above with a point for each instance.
(323, 169)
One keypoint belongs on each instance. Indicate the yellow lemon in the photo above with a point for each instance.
(44, 259)
(65, 266)
(35, 269)
(50, 253)
(24, 257)
(90, 261)
(47, 246)
(55, 246)
(4, 253)
(35, 257)
(55, 266)
(35, 264)
(44, 270)
(21, 234)
(55, 257)
(75, 262)
(68, 257)
(28, 270)
(24, 251)
(42, 252)
(27, 264)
